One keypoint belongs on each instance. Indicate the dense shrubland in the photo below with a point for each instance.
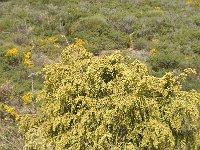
(170, 27)
(163, 34)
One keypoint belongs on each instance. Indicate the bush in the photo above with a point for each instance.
(89, 23)
(196, 48)
(165, 60)
(21, 39)
(105, 103)
(140, 44)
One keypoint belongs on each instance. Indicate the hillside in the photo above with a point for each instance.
(171, 28)
(162, 34)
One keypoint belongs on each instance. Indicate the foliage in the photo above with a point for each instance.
(105, 102)
(140, 44)
(165, 60)
(36, 27)
(96, 30)
(33, 28)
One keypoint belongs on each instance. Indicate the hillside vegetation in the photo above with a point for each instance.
(169, 28)
(163, 35)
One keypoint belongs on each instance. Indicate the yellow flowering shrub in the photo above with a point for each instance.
(27, 62)
(27, 98)
(153, 52)
(6, 112)
(51, 40)
(50, 46)
(27, 55)
(11, 111)
(90, 102)
(12, 52)
(157, 8)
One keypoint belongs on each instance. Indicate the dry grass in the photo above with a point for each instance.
(10, 139)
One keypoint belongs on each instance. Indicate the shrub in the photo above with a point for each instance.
(196, 48)
(126, 23)
(98, 33)
(89, 23)
(7, 112)
(106, 103)
(6, 24)
(140, 44)
(12, 57)
(21, 39)
(165, 60)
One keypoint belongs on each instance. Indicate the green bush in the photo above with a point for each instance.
(140, 44)
(93, 23)
(165, 60)
(196, 48)
(99, 35)
(6, 24)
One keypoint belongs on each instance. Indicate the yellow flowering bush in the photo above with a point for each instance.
(52, 39)
(6, 112)
(27, 55)
(27, 62)
(12, 57)
(153, 52)
(11, 111)
(12, 52)
(90, 102)
(48, 40)
(50, 46)
(80, 42)
(157, 8)
(27, 98)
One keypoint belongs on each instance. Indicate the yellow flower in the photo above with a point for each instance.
(157, 8)
(28, 63)
(79, 42)
(153, 52)
(11, 111)
(52, 39)
(27, 98)
(27, 55)
(11, 52)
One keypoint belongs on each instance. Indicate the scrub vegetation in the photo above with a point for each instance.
(106, 74)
